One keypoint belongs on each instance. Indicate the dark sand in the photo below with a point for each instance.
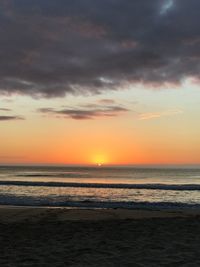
(61, 237)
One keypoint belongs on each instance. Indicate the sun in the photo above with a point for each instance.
(99, 160)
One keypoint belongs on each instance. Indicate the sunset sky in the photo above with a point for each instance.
(99, 81)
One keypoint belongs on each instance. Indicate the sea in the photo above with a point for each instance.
(100, 187)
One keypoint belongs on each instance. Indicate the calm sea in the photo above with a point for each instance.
(100, 187)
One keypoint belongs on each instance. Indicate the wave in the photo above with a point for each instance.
(55, 175)
(45, 202)
(176, 187)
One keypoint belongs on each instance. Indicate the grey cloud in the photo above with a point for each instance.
(50, 48)
(10, 118)
(91, 112)
(5, 109)
(107, 101)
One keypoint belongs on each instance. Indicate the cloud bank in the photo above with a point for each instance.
(90, 111)
(50, 48)
(10, 118)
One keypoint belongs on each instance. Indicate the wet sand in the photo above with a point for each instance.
(72, 237)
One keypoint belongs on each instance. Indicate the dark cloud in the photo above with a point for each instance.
(10, 118)
(49, 48)
(89, 112)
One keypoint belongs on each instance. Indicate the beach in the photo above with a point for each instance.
(98, 237)
(99, 133)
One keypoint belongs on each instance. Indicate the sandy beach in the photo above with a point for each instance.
(72, 237)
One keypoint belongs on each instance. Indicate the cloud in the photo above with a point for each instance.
(106, 101)
(89, 112)
(155, 115)
(167, 5)
(10, 118)
(50, 48)
(5, 109)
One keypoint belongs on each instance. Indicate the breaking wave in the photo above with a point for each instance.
(177, 187)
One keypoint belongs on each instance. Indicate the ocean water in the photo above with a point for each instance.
(100, 187)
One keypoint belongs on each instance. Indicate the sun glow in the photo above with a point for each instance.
(100, 160)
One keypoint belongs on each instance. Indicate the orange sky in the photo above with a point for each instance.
(160, 127)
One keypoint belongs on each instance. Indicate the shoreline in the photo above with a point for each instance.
(10, 213)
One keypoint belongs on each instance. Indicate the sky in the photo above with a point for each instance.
(99, 81)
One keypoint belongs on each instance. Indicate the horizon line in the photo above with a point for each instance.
(102, 166)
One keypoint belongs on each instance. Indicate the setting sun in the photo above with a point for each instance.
(100, 160)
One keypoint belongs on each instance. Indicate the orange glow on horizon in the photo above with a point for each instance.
(99, 159)
(98, 142)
